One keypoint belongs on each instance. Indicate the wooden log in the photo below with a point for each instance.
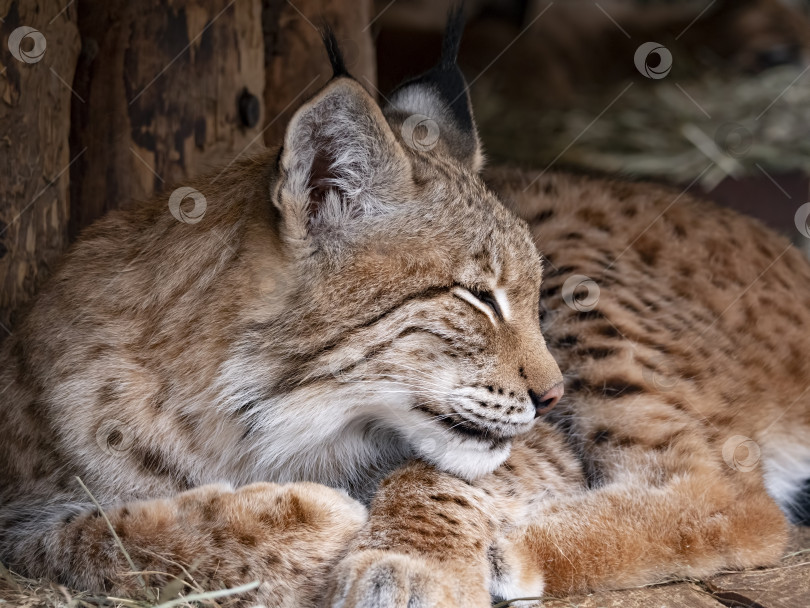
(36, 69)
(162, 91)
(295, 62)
(170, 89)
(681, 595)
(786, 584)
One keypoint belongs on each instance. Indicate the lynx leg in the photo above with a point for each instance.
(437, 541)
(424, 545)
(286, 537)
(674, 511)
(691, 527)
(531, 529)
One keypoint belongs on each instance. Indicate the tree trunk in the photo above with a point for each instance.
(163, 90)
(35, 156)
(170, 89)
(295, 60)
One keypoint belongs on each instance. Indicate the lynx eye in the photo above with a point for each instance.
(483, 300)
(488, 298)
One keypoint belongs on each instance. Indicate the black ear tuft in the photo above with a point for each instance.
(445, 78)
(333, 50)
(452, 36)
(441, 95)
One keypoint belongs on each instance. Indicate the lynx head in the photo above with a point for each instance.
(412, 311)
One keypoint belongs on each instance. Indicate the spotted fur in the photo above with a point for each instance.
(359, 309)
(320, 319)
(683, 430)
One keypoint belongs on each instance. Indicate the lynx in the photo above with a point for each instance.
(337, 376)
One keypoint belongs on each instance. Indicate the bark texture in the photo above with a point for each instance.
(35, 99)
(170, 89)
(295, 60)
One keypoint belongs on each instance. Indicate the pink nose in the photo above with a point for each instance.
(549, 400)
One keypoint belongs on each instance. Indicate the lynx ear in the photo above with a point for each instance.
(340, 162)
(434, 110)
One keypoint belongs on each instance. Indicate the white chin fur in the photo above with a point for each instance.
(466, 458)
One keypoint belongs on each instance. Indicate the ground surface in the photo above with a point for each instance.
(786, 585)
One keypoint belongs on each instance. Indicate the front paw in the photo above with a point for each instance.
(384, 579)
(514, 574)
(282, 536)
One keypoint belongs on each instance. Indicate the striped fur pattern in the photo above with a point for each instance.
(327, 381)
(328, 316)
(684, 427)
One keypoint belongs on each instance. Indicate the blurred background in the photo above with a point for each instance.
(103, 103)
(718, 102)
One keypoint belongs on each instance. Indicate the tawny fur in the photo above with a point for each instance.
(330, 319)
(699, 336)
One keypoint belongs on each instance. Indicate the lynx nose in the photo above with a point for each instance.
(546, 402)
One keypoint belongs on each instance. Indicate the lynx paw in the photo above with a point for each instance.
(286, 537)
(514, 575)
(380, 579)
